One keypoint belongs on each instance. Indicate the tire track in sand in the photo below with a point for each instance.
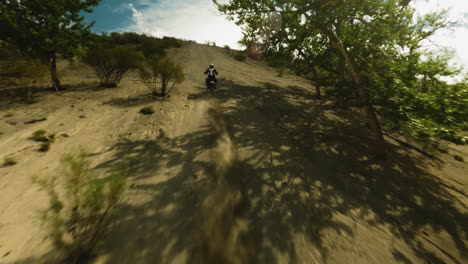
(221, 226)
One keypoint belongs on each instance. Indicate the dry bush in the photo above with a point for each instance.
(9, 161)
(45, 139)
(227, 48)
(79, 218)
(112, 63)
(160, 75)
(20, 73)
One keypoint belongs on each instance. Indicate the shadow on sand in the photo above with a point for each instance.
(302, 164)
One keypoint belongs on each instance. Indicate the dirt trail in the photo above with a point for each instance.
(260, 173)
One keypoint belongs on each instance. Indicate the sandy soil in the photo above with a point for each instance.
(261, 172)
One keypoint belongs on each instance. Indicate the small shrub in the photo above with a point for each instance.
(20, 71)
(160, 75)
(9, 161)
(148, 110)
(35, 120)
(79, 220)
(44, 146)
(112, 63)
(240, 57)
(228, 49)
(39, 136)
(458, 158)
(46, 140)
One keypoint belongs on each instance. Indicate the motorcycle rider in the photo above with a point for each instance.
(212, 72)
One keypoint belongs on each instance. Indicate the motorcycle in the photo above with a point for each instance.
(211, 86)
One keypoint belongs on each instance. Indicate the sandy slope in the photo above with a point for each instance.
(259, 173)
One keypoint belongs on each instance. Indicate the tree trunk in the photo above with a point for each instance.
(163, 87)
(53, 72)
(340, 84)
(341, 70)
(380, 145)
(314, 71)
(317, 82)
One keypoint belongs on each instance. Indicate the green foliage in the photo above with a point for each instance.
(20, 73)
(367, 52)
(9, 161)
(46, 140)
(45, 28)
(161, 70)
(39, 136)
(112, 63)
(79, 219)
(44, 146)
(227, 48)
(147, 45)
(16, 70)
(147, 110)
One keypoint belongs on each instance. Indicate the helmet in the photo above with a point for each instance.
(211, 65)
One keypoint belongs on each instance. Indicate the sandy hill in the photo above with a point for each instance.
(262, 172)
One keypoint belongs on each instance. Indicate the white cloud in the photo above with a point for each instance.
(193, 19)
(120, 9)
(200, 21)
(456, 38)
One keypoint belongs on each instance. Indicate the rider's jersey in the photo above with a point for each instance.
(211, 72)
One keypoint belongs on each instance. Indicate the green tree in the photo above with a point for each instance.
(46, 28)
(376, 44)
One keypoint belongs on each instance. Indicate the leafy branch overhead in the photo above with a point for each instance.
(366, 51)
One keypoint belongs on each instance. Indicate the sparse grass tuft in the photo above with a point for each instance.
(458, 158)
(44, 146)
(39, 136)
(79, 220)
(148, 110)
(9, 115)
(46, 140)
(35, 120)
(9, 161)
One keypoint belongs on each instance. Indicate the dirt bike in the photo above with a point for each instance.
(211, 86)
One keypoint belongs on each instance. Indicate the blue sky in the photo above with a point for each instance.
(188, 19)
(110, 15)
(200, 21)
